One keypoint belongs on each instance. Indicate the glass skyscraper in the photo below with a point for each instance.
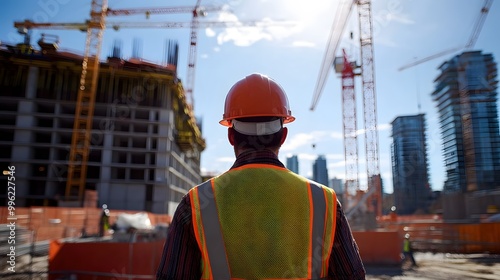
(409, 164)
(320, 171)
(292, 163)
(465, 96)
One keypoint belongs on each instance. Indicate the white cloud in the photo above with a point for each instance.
(209, 32)
(380, 127)
(337, 135)
(242, 37)
(302, 139)
(303, 24)
(384, 126)
(297, 141)
(307, 157)
(245, 33)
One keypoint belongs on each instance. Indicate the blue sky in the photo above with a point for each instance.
(404, 30)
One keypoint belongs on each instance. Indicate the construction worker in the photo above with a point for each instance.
(104, 220)
(259, 220)
(408, 250)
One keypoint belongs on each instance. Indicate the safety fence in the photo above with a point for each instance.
(49, 223)
(37, 227)
(446, 237)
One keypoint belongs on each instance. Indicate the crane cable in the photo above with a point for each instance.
(340, 20)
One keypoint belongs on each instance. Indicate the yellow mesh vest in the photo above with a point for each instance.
(266, 222)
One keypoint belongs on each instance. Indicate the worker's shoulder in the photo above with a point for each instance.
(319, 185)
(310, 181)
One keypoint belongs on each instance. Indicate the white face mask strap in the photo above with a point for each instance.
(257, 128)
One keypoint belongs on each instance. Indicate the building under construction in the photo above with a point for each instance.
(145, 145)
(466, 98)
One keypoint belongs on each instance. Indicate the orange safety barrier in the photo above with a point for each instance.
(379, 247)
(480, 238)
(432, 234)
(104, 260)
(61, 222)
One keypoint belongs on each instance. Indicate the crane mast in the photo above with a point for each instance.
(350, 131)
(84, 112)
(373, 196)
(369, 104)
(192, 53)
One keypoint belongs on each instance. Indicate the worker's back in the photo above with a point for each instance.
(266, 219)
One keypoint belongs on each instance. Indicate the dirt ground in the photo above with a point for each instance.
(441, 266)
(430, 266)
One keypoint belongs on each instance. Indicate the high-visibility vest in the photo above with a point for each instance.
(406, 246)
(263, 222)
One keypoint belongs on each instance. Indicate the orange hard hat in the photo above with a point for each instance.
(256, 95)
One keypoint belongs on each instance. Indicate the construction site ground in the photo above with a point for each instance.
(430, 266)
(441, 266)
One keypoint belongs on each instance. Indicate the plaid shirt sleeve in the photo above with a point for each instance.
(181, 257)
(345, 261)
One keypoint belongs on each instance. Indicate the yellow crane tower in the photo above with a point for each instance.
(80, 141)
(81, 136)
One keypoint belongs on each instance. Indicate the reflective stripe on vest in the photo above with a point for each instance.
(210, 238)
(318, 227)
(213, 236)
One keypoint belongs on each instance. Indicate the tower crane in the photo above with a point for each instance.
(350, 127)
(369, 94)
(192, 54)
(476, 30)
(80, 142)
(81, 136)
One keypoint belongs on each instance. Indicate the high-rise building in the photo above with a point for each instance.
(145, 142)
(320, 171)
(466, 98)
(409, 164)
(337, 185)
(292, 163)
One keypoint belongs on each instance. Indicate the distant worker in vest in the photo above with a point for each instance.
(259, 220)
(104, 220)
(408, 250)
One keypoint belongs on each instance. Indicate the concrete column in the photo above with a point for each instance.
(24, 137)
(161, 189)
(51, 185)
